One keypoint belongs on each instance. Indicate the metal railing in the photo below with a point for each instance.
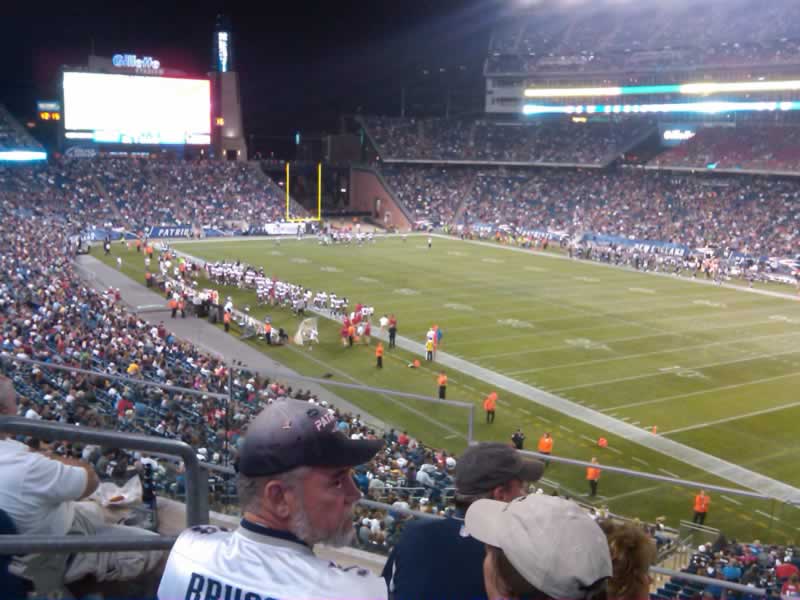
(651, 476)
(197, 496)
(196, 487)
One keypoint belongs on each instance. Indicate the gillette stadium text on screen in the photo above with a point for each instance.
(131, 109)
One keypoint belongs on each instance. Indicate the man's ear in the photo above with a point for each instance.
(499, 493)
(275, 494)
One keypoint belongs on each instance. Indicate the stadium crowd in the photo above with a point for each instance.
(13, 136)
(548, 141)
(743, 147)
(775, 568)
(137, 193)
(757, 216)
(646, 37)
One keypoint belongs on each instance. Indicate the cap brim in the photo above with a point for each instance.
(483, 520)
(532, 469)
(351, 453)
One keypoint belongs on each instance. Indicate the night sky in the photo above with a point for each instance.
(301, 64)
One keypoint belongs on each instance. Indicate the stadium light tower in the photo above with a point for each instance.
(228, 138)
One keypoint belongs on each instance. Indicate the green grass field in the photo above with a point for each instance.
(714, 368)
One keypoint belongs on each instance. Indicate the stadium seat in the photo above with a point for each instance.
(11, 585)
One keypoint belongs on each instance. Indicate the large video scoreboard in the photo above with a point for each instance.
(135, 109)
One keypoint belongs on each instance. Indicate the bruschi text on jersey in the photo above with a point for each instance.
(256, 563)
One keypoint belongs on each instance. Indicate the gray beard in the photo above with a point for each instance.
(300, 525)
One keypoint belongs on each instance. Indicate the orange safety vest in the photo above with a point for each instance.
(173, 304)
(268, 328)
(546, 444)
(490, 402)
(442, 380)
(379, 351)
(701, 503)
(226, 318)
(592, 473)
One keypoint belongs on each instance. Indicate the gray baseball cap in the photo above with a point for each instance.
(484, 466)
(291, 433)
(552, 542)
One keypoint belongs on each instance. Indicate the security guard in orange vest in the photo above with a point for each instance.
(701, 502)
(379, 355)
(226, 319)
(593, 476)
(442, 381)
(489, 405)
(173, 306)
(545, 446)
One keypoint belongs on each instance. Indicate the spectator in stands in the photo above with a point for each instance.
(540, 547)
(633, 552)
(416, 568)
(40, 493)
(295, 490)
(791, 588)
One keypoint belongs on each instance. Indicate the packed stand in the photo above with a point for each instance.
(766, 149)
(757, 216)
(137, 193)
(600, 37)
(432, 194)
(544, 141)
(771, 567)
(48, 314)
(13, 136)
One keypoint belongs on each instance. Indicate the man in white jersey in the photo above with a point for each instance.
(295, 489)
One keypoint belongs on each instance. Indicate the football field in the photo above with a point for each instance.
(713, 368)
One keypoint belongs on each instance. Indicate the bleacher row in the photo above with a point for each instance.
(558, 141)
(754, 216)
(552, 141)
(587, 37)
(13, 136)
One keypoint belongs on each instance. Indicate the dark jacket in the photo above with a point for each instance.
(435, 560)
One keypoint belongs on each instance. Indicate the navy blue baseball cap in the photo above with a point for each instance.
(290, 433)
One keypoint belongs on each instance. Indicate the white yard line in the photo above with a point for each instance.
(663, 374)
(565, 428)
(670, 473)
(634, 493)
(732, 500)
(699, 392)
(615, 340)
(728, 286)
(754, 413)
(639, 460)
(653, 353)
(769, 516)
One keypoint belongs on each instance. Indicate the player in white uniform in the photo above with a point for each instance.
(296, 489)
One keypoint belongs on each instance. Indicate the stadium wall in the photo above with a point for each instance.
(369, 193)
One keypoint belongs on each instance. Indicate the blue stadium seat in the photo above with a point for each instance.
(11, 585)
